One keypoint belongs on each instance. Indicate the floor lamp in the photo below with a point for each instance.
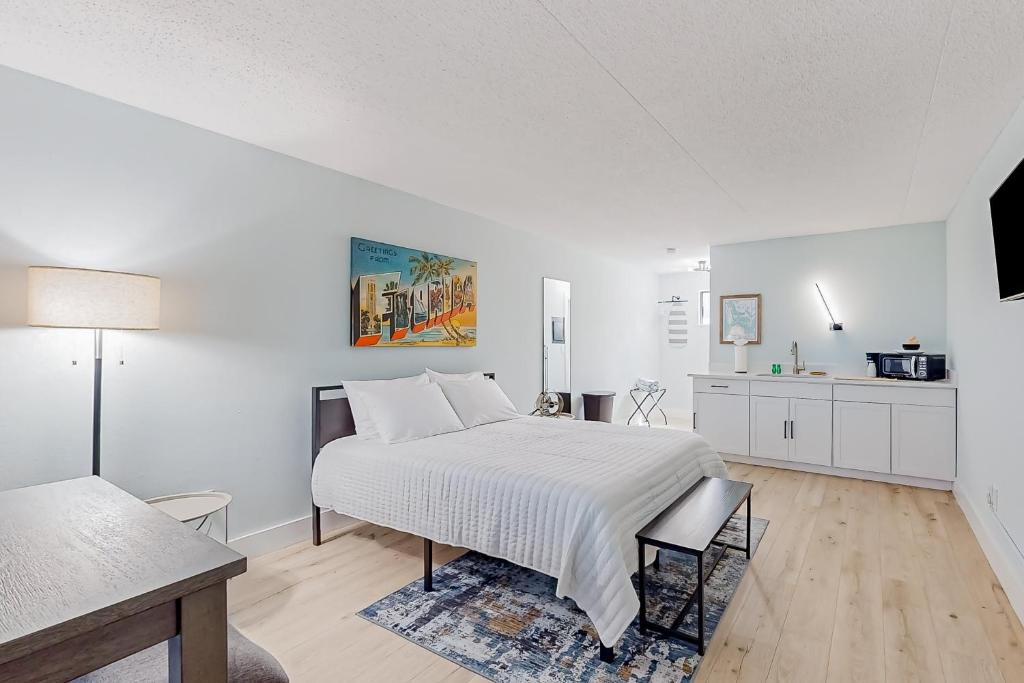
(97, 300)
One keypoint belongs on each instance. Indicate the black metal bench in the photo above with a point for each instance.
(690, 525)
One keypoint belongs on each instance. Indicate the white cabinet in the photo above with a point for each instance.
(810, 431)
(769, 427)
(721, 386)
(894, 429)
(861, 436)
(924, 441)
(723, 420)
(795, 429)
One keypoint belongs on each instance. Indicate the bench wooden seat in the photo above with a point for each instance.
(690, 525)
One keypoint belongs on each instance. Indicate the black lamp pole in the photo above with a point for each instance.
(97, 394)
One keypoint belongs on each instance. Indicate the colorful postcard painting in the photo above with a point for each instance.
(408, 297)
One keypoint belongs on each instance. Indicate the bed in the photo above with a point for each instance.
(561, 497)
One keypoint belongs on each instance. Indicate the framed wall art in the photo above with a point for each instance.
(409, 297)
(739, 318)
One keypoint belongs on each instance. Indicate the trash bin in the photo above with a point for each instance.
(598, 405)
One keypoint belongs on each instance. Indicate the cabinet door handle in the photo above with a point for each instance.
(719, 386)
(695, 420)
(792, 429)
(785, 429)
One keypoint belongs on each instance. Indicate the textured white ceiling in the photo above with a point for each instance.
(629, 126)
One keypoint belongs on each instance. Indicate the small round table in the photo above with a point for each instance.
(188, 507)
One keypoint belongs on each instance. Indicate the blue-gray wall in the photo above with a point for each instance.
(883, 284)
(985, 338)
(253, 249)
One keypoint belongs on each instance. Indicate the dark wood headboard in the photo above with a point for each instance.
(332, 419)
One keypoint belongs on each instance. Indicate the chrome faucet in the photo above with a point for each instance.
(798, 367)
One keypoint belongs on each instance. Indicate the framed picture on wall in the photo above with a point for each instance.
(410, 297)
(739, 318)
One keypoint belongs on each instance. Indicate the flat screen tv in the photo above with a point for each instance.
(1007, 206)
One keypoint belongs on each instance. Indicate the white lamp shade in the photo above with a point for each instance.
(94, 299)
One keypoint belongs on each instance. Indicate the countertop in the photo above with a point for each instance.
(828, 379)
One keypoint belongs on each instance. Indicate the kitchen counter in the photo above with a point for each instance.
(892, 430)
(828, 379)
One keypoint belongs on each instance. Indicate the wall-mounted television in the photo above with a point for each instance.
(1007, 206)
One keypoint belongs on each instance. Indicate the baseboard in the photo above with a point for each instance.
(840, 472)
(998, 548)
(289, 533)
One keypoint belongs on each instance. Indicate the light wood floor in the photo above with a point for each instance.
(853, 581)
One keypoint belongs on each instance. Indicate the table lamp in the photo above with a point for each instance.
(97, 300)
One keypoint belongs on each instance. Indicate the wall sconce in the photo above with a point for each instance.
(833, 326)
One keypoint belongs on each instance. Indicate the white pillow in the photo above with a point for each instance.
(479, 401)
(412, 412)
(449, 376)
(357, 392)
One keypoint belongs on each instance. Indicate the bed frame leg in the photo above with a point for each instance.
(607, 653)
(316, 525)
(428, 565)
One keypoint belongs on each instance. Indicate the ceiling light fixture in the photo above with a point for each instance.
(701, 267)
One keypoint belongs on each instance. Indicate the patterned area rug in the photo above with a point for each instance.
(505, 623)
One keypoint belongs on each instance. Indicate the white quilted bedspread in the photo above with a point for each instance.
(562, 497)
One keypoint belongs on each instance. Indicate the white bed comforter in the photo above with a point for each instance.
(562, 497)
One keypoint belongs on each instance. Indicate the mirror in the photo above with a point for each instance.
(557, 336)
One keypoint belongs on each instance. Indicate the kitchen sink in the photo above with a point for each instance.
(802, 375)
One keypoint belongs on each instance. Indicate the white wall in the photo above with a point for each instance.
(985, 349)
(884, 285)
(253, 249)
(676, 362)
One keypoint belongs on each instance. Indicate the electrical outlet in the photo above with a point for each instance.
(993, 498)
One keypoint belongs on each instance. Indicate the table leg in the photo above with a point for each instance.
(749, 496)
(199, 653)
(641, 556)
(700, 603)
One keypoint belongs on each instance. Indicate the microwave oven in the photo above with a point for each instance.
(920, 366)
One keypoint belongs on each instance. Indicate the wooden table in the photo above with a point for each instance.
(90, 574)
